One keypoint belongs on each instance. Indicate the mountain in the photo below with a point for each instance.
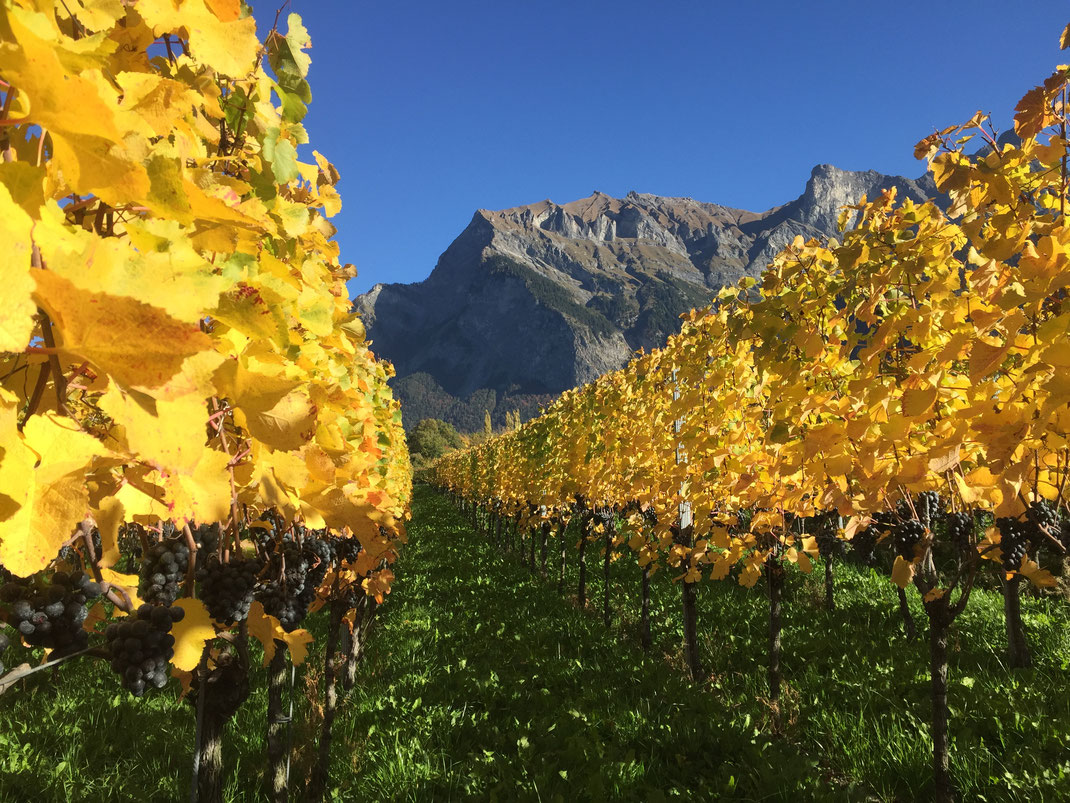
(530, 301)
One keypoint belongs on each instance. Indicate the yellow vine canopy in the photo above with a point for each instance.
(177, 340)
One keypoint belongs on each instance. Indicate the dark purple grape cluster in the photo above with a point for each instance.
(864, 542)
(296, 571)
(5, 642)
(316, 542)
(206, 537)
(824, 528)
(906, 535)
(163, 571)
(227, 588)
(1014, 538)
(1044, 516)
(51, 613)
(348, 549)
(141, 646)
(280, 601)
(71, 554)
(960, 530)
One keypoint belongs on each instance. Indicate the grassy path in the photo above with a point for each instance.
(484, 682)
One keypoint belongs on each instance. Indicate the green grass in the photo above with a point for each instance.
(481, 682)
(858, 689)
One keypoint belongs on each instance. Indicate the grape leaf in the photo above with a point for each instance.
(136, 343)
(191, 634)
(17, 311)
(266, 629)
(169, 435)
(43, 472)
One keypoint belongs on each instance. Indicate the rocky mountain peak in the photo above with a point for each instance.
(531, 300)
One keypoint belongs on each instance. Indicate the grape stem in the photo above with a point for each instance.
(190, 567)
(85, 529)
(118, 596)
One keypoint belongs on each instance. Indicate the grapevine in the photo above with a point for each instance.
(177, 306)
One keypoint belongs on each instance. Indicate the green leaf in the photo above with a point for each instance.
(286, 53)
(282, 156)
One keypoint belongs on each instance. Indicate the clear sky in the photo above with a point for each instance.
(431, 110)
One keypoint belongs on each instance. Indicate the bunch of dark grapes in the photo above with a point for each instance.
(864, 542)
(51, 614)
(1044, 516)
(163, 570)
(1013, 541)
(960, 530)
(5, 642)
(316, 542)
(70, 554)
(348, 549)
(142, 645)
(280, 601)
(227, 588)
(268, 524)
(906, 535)
(322, 556)
(296, 574)
(206, 537)
(129, 541)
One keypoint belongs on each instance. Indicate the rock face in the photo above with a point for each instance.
(529, 301)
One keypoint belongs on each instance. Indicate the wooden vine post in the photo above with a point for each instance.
(685, 534)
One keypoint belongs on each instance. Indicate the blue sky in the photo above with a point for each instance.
(431, 110)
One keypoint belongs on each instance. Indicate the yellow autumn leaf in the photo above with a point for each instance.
(137, 344)
(229, 47)
(66, 101)
(288, 425)
(96, 615)
(169, 435)
(154, 264)
(18, 309)
(1041, 578)
(109, 515)
(42, 475)
(191, 634)
(944, 459)
(917, 401)
(902, 572)
(142, 499)
(157, 102)
(202, 495)
(985, 358)
(251, 392)
(266, 629)
(26, 185)
(750, 575)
